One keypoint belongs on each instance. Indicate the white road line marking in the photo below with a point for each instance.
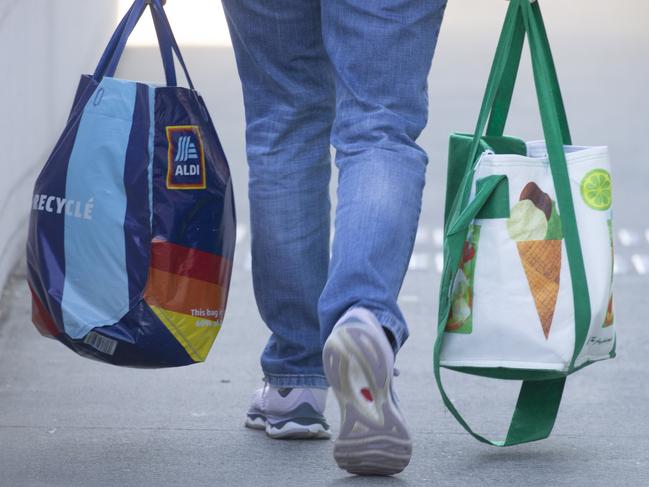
(419, 262)
(641, 263)
(409, 299)
(438, 236)
(620, 265)
(423, 233)
(439, 262)
(242, 232)
(628, 237)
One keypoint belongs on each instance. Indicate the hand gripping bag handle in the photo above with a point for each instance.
(166, 41)
(539, 400)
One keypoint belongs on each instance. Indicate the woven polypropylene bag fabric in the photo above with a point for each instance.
(132, 226)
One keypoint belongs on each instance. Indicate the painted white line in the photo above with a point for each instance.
(409, 299)
(628, 237)
(641, 263)
(438, 236)
(247, 262)
(439, 262)
(419, 262)
(242, 232)
(201, 414)
(620, 265)
(423, 233)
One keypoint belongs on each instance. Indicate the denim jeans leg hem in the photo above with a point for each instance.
(396, 327)
(311, 381)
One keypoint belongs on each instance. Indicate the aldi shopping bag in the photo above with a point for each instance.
(132, 227)
(526, 291)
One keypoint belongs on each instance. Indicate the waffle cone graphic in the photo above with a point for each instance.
(541, 260)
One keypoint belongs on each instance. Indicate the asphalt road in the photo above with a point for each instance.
(66, 421)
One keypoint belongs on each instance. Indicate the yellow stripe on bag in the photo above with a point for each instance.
(195, 334)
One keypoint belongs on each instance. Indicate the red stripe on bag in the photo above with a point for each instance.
(182, 294)
(42, 319)
(193, 263)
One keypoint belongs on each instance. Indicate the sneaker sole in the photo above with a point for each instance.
(255, 423)
(289, 430)
(295, 431)
(374, 438)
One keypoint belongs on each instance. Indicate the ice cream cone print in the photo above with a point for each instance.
(535, 226)
(541, 260)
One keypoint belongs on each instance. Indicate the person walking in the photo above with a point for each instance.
(351, 74)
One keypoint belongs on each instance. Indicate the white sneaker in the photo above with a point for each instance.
(359, 365)
(289, 413)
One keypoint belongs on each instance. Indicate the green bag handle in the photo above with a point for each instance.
(461, 224)
(502, 103)
(552, 129)
(539, 400)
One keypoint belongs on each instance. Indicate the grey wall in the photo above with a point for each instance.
(44, 46)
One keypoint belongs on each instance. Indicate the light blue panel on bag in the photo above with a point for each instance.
(96, 290)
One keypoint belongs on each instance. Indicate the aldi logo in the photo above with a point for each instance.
(186, 159)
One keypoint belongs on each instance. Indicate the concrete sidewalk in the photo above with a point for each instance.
(67, 421)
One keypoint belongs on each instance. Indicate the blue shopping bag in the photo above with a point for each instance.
(132, 227)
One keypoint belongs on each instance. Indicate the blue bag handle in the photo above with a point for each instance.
(161, 20)
(108, 63)
(110, 49)
(167, 43)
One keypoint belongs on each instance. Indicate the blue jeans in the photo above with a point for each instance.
(347, 73)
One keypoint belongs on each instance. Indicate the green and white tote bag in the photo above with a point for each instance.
(526, 292)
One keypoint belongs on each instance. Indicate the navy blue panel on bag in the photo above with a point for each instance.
(132, 228)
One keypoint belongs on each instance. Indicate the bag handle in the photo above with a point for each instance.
(504, 61)
(502, 102)
(166, 41)
(160, 18)
(110, 48)
(552, 129)
(462, 222)
(538, 400)
(107, 65)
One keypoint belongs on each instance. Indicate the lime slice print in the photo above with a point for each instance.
(597, 190)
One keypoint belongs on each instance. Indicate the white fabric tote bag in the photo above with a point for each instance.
(526, 291)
